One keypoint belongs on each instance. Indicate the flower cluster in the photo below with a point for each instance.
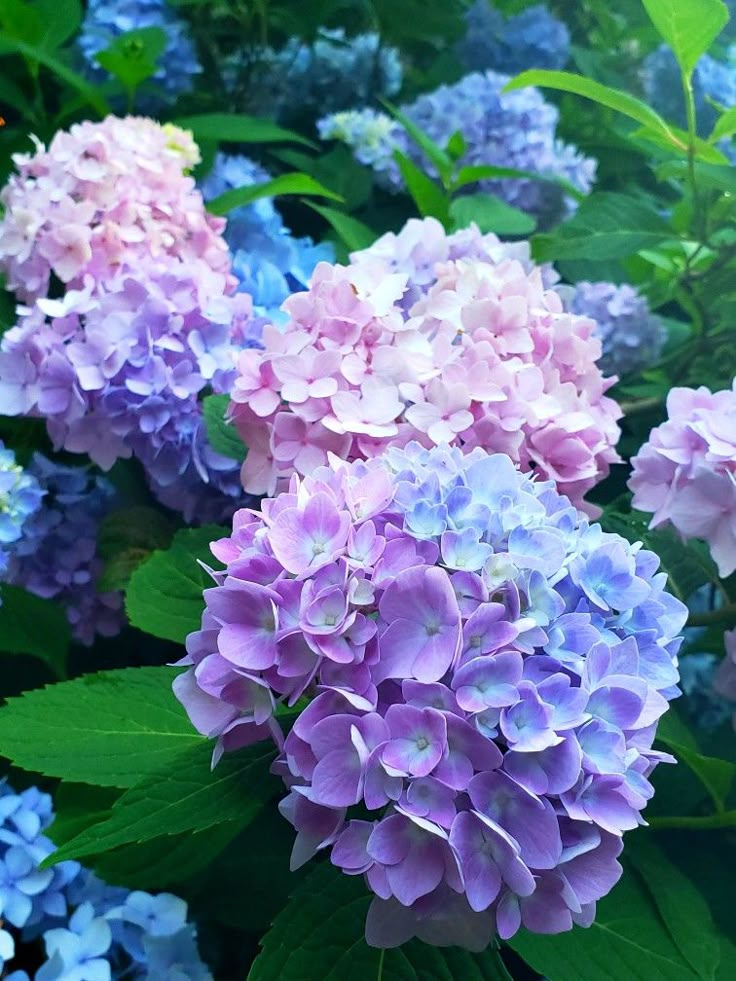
(484, 356)
(20, 497)
(713, 81)
(505, 129)
(89, 929)
(106, 20)
(533, 38)
(632, 337)
(147, 320)
(56, 557)
(268, 261)
(333, 72)
(488, 670)
(686, 472)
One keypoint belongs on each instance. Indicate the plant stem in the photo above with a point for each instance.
(712, 616)
(707, 822)
(381, 959)
(692, 133)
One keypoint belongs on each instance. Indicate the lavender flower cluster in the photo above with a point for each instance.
(20, 497)
(486, 670)
(56, 556)
(268, 260)
(506, 129)
(632, 336)
(90, 931)
(533, 38)
(107, 20)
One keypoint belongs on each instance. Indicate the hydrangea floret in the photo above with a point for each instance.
(506, 129)
(685, 474)
(485, 356)
(632, 336)
(485, 671)
(89, 930)
(20, 497)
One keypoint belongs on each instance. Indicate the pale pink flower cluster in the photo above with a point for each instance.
(484, 356)
(686, 472)
(102, 197)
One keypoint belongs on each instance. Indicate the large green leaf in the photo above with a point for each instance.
(688, 26)
(628, 941)
(184, 795)
(606, 225)
(164, 595)
(223, 127)
(353, 233)
(126, 538)
(318, 936)
(283, 184)
(222, 436)
(442, 161)
(109, 729)
(133, 57)
(682, 908)
(490, 214)
(430, 199)
(32, 625)
(35, 53)
(614, 99)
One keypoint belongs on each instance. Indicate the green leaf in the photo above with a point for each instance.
(353, 233)
(719, 178)
(133, 57)
(482, 172)
(77, 806)
(184, 795)
(688, 26)
(725, 125)
(164, 595)
(283, 184)
(715, 774)
(34, 53)
(683, 909)
(125, 539)
(491, 214)
(442, 161)
(318, 936)
(456, 146)
(59, 21)
(222, 127)
(614, 99)
(36, 626)
(607, 225)
(109, 729)
(223, 436)
(429, 198)
(627, 941)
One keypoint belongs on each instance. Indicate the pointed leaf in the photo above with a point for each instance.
(223, 127)
(688, 26)
(36, 626)
(284, 184)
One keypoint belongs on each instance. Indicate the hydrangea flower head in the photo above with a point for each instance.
(56, 558)
(89, 930)
(268, 261)
(506, 129)
(485, 668)
(20, 497)
(533, 38)
(712, 79)
(632, 337)
(685, 474)
(107, 20)
(482, 355)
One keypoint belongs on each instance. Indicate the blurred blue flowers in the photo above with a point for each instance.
(534, 38)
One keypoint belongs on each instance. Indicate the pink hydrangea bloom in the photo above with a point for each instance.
(104, 196)
(430, 337)
(686, 472)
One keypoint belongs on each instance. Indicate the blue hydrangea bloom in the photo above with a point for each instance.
(106, 20)
(267, 259)
(90, 931)
(534, 38)
(56, 557)
(20, 496)
(631, 335)
(712, 79)
(506, 129)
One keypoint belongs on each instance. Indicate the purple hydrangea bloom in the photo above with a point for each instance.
(89, 930)
(105, 21)
(485, 670)
(269, 262)
(534, 38)
(631, 335)
(505, 129)
(57, 555)
(20, 497)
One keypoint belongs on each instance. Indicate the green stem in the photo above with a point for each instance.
(642, 405)
(707, 822)
(725, 613)
(381, 959)
(692, 134)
